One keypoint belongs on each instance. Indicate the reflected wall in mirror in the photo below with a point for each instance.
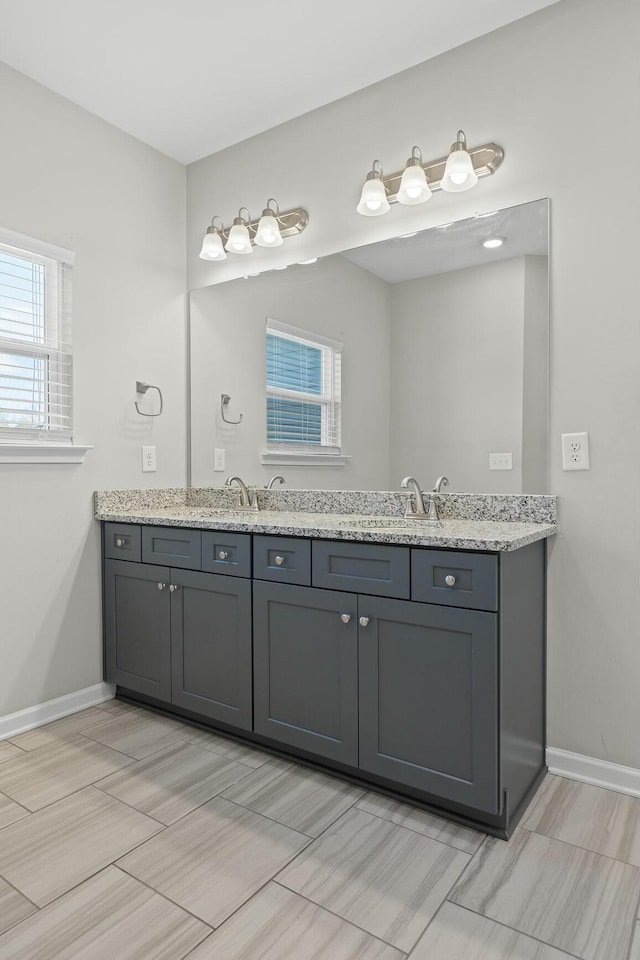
(444, 359)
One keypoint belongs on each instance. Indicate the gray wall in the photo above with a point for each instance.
(542, 87)
(71, 179)
(333, 298)
(456, 376)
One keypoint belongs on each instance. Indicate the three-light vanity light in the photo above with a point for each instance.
(270, 230)
(457, 172)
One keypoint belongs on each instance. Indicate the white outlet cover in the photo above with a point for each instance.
(219, 458)
(500, 461)
(148, 459)
(575, 451)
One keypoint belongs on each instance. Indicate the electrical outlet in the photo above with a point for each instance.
(575, 451)
(149, 460)
(500, 461)
(219, 458)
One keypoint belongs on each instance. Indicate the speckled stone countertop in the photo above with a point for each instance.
(472, 529)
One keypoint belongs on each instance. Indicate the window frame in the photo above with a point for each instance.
(329, 400)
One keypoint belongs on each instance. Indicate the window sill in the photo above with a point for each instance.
(42, 453)
(271, 458)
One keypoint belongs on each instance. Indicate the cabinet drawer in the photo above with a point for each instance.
(122, 541)
(284, 559)
(362, 568)
(455, 579)
(172, 547)
(227, 553)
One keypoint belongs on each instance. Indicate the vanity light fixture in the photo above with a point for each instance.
(492, 243)
(270, 230)
(413, 185)
(239, 240)
(268, 233)
(373, 199)
(212, 248)
(458, 171)
(459, 174)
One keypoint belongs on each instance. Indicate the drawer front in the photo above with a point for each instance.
(455, 579)
(122, 541)
(227, 553)
(172, 547)
(362, 568)
(283, 559)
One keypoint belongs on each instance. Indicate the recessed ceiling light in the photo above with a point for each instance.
(282, 268)
(405, 236)
(491, 243)
(481, 216)
(443, 226)
(312, 260)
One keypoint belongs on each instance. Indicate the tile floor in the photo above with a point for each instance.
(126, 834)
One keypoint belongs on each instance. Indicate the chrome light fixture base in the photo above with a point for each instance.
(290, 223)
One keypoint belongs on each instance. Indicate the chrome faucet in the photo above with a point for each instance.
(433, 503)
(418, 510)
(269, 486)
(246, 503)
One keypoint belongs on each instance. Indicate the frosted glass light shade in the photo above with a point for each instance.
(373, 199)
(239, 240)
(413, 186)
(212, 248)
(459, 174)
(268, 234)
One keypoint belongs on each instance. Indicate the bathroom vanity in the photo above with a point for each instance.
(408, 656)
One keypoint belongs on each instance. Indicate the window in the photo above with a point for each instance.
(35, 341)
(303, 391)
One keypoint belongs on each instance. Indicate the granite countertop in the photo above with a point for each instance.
(460, 533)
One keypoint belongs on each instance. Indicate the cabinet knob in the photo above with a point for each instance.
(450, 580)
(346, 618)
(278, 561)
(119, 542)
(223, 555)
(364, 621)
(172, 588)
(161, 586)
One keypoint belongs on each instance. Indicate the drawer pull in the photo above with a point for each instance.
(161, 586)
(364, 621)
(119, 542)
(223, 555)
(172, 588)
(278, 560)
(450, 580)
(346, 618)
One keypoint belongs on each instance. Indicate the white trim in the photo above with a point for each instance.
(304, 459)
(15, 723)
(600, 773)
(32, 245)
(304, 336)
(42, 452)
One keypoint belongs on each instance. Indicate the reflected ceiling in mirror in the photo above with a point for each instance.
(445, 359)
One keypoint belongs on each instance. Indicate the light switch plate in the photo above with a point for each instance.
(219, 458)
(575, 451)
(149, 459)
(500, 461)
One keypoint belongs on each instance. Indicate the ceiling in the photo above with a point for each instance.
(454, 246)
(191, 77)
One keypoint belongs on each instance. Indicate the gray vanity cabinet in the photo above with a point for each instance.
(137, 627)
(211, 646)
(305, 653)
(429, 699)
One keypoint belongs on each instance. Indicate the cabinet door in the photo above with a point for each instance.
(137, 628)
(211, 646)
(305, 669)
(429, 699)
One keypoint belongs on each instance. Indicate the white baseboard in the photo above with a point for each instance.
(600, 773)
(15, 723)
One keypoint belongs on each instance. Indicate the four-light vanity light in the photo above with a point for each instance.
(416, 183)
(269, 231)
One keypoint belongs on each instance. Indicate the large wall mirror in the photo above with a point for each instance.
(443, 343)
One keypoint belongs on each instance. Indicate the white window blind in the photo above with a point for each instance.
(303, 391)
(35, 342)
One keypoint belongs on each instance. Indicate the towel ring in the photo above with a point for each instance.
(142, 389)
(224, 402)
